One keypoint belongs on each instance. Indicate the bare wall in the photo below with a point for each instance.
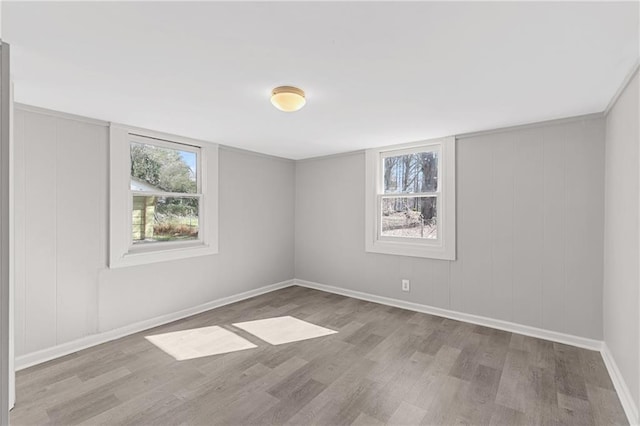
(64, 290)
(622, 255)
(530, 241)
(529, 218)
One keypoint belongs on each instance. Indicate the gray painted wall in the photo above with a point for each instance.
(5, 253)
(621, 228)
(64, 290)
(530, 238)
(530, 245)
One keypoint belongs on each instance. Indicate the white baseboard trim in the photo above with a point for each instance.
(568, 339)
(628, 404)
(630, 407)
(38, 357)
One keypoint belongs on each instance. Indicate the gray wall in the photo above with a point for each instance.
(621, 264)
(64, 290)
(6, 373)
(530, 238)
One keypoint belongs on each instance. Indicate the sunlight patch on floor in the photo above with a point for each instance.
(280, 330)
(199, 342)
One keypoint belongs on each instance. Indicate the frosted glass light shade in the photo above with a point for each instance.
(288, 98)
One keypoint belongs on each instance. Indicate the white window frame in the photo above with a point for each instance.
(122, 251)
(444, 246)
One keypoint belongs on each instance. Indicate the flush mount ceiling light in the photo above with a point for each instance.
(287, 98)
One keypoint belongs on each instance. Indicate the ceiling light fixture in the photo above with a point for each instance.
(288, 98)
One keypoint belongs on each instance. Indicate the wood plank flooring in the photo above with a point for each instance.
(385, 366)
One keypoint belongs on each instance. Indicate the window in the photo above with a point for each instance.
(163, 198)
(165, 191)
(410, 199)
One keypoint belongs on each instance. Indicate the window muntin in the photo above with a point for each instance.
(165, 191)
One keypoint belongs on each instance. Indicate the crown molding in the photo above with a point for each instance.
(630, 76)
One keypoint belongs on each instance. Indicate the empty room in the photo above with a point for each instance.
(328, 213)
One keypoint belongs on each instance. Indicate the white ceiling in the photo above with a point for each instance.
(375, 73)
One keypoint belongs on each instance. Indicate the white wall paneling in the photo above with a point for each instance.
(621, 244)
(5, 251)
(46, 354)
(12, 239)
(529, 230)
(64, 290)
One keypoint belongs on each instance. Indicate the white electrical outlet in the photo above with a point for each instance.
(406, 285)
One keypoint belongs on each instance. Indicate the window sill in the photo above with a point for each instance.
(414, 250)
(138, 256)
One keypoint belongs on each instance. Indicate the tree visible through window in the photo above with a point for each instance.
(165, 192)
(410, 195)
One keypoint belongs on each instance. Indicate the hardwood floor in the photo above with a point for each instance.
(385, 366)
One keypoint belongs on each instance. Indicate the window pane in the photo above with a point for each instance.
(157, 219)
(155, 168)
(410, 217)
(411, 173)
